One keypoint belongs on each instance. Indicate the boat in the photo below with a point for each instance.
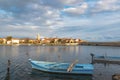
(62, 68)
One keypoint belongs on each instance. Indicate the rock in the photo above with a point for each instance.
(116, 77)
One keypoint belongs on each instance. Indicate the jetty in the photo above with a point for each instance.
(105, 59)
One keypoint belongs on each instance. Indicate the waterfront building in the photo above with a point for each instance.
(45, 41)
(13, 41)
(71, 41)
(4, 41)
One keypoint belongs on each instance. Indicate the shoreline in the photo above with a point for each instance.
(115, 44)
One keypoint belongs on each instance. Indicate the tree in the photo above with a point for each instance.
(27, 40)
(8, 38)
(1, 41)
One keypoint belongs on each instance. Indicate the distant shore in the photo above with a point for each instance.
(50, 44)
(117, 44)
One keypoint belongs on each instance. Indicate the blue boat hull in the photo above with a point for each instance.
(54, 76)
(61, 68)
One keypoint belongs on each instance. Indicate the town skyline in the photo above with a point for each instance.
(9, 40)
(91, 20)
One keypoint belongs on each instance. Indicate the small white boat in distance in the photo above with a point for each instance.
(62, 68)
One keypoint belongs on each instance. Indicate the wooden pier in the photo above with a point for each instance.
(105, 59)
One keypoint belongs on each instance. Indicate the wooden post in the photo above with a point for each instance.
(8, 71)
(8, 66)
(92, 55)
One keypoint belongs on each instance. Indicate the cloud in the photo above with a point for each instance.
(33, 12)
(71, 2)
(107, 5)
(59, 4)
(89, 8)
(76, 10)
(89, 33)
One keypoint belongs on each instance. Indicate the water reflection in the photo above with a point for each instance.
(50, 76)
(20, 67)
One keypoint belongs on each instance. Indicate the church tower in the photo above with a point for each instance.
(38, 36)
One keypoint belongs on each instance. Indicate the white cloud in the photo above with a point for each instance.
(76, 10)
(71, 2)
(59, 4)
(107, 5)
(52, 13)
(54, 24)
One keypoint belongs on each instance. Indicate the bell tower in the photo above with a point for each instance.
(38, 36)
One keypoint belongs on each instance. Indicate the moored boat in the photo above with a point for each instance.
(62, 68)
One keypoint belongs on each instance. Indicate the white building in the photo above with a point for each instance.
(4, 41)
(13, 41)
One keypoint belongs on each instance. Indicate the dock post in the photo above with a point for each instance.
(8, 70)
(92, 55)
(8, 66)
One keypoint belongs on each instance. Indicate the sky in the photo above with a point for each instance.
(90, 20)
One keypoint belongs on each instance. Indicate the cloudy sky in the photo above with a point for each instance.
(92, 20)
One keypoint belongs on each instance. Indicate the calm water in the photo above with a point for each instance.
(20, 68)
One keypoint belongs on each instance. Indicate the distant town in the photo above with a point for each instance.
(9, 40)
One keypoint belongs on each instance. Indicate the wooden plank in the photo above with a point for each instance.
(71, 66)
(106, 60)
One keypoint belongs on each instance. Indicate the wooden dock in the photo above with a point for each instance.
(106, 59)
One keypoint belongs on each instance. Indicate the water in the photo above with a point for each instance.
(20, 68)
